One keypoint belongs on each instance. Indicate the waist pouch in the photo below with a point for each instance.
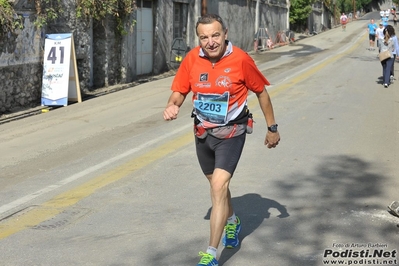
(227, 131)
(200, 131)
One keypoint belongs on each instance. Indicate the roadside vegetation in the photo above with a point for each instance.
(301, 9)
(50, 10)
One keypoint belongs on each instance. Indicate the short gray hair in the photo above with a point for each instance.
(208, 19)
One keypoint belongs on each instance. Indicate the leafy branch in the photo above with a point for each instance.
(9, 19)
(98, 10)
(46, 11)
(50, 10)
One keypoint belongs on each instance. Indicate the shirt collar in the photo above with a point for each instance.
(229, 50)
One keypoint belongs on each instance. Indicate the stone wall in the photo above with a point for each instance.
(83, 40)
(20, 66)
(19, 86)
(104, 56)
(21, 56)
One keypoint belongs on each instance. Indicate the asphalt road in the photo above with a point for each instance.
(108, 182)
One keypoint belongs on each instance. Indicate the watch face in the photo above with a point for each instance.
(273, 128)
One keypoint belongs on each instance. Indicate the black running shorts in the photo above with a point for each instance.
(219, 153)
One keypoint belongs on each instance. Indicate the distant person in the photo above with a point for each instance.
(395, 19)
(382, 14)
(385, 21)
(371, 28)
(390, 43)
(387, 12)
(395, 51)
(344, 21)
(379, 34)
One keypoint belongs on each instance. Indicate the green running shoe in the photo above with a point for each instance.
(207, 260)
(231, 231)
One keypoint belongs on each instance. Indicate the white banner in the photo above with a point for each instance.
(59, 65)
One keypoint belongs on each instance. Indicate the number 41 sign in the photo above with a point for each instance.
(60, 82)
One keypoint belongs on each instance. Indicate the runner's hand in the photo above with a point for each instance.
(170, 112)
(272, 139)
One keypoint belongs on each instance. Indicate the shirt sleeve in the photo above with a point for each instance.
(253, 78)
(181, 81)
(396, 45)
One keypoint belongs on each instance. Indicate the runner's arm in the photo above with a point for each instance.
(396, 46)
(265, 103)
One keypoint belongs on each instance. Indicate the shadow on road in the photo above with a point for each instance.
(338, 208)
(329, 203)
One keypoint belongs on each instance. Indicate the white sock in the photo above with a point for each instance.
(232, 219)
(212, 251)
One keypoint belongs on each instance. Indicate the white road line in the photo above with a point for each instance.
(24, 200)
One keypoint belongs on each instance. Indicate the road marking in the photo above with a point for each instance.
(312, 69)
(34, 216)
(19, 202)
(56, 205)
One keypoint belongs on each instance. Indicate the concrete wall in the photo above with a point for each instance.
(239, 15)
(163, 35)
(107, 45)
(128, 60)
(320, 19)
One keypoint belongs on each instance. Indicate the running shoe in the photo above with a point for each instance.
(207, 260)
(231, 231)
(391, 78)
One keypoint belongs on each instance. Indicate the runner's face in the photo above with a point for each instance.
(212, 40)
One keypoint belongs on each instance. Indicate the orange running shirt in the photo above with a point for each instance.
(220, 90)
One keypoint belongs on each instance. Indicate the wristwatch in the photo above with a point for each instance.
(273, 128)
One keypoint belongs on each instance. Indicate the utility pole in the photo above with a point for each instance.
(204, 7)
(257, 16)
(354, 9)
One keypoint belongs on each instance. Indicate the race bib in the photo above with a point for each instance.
(212, 107)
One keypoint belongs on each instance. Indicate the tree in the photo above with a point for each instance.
(299, 12)
(347, 5)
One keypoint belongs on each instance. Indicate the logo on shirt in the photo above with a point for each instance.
(205, 85)
(227, 70)
(223, 81)
(203, 77)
